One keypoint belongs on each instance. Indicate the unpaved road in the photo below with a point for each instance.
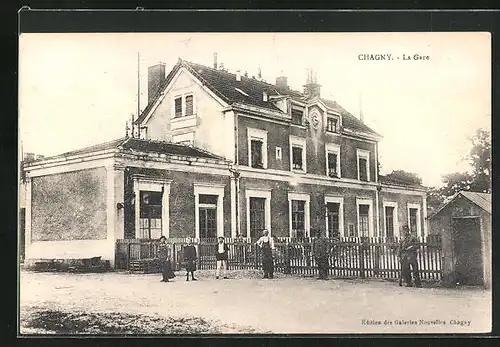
(282, 305)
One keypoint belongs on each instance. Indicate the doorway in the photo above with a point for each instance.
(468, 251)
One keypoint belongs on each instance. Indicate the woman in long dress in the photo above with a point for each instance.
(165, 255)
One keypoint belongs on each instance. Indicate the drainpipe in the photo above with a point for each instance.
(379, 188)
(236, 173)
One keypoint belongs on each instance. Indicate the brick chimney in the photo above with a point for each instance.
(312, 88)
(215, 60)
(156, 76)
(29, 157)
(282, 82)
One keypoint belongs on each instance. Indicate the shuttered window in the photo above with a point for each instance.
(189, 105)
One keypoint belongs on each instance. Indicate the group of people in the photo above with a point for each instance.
(189, 257)
(322, 248)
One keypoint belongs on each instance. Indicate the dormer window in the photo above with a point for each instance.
(297, 116)
(264, 96)
(332, 124)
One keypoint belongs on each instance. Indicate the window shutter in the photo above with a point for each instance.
(189, 105)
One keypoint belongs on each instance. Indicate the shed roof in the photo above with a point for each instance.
(483, 200)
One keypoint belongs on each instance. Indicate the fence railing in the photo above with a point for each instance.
(350, 257)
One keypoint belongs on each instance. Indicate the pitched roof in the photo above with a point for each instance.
(483, 200)
(140, 145)
(224, 85)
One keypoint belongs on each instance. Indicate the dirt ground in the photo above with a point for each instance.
(245, 303)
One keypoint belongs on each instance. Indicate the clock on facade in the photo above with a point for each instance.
(315, 119)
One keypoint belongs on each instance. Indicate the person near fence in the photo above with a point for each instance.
(221, 255)
(266, 243)
(408, 249)
(190, 259)
(321, 252)
(165, 256)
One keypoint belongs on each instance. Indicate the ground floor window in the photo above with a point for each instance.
(257, 216)
(298, 218)
(333, 219)
(389, 221)
(150, 212)
(364, 220)
(413, 220)
(208, 216)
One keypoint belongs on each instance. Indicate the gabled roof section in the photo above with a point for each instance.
(224, 85)
(483, 200)
(348, 120)
(140, 145)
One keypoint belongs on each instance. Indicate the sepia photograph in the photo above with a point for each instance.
(254, 183)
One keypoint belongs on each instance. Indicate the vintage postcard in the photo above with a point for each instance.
(243, 183)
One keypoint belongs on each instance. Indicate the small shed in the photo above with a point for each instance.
(464, 224)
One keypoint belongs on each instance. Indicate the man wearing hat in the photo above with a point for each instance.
(408, 249)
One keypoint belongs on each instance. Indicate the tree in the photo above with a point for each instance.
(404, 177)
(478, 180)
(480, 160)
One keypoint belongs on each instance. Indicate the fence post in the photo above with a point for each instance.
(288, 268)
(376, 259)
(362, 257)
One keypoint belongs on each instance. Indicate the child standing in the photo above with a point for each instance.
(190, 259)
(221, 255)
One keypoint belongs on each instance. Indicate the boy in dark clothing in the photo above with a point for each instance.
(321, 251)
(221, 255)
(190, 259)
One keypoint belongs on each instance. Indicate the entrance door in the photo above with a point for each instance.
(468, 251)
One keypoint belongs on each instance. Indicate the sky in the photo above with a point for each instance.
(77, 90)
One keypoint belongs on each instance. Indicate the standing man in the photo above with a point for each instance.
(190, 259)
(221, 256)
(266, 243)
(321, 253)
(408, 248)
(164, 253)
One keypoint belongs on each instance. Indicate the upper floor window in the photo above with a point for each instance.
(178, 106)
(189, 105)
(297, 157)
(297, 154)
(257, 148)
(184, 105)
(256, 153)
(297, 116)
(332, 160)
(331, 124)
(363, 159)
